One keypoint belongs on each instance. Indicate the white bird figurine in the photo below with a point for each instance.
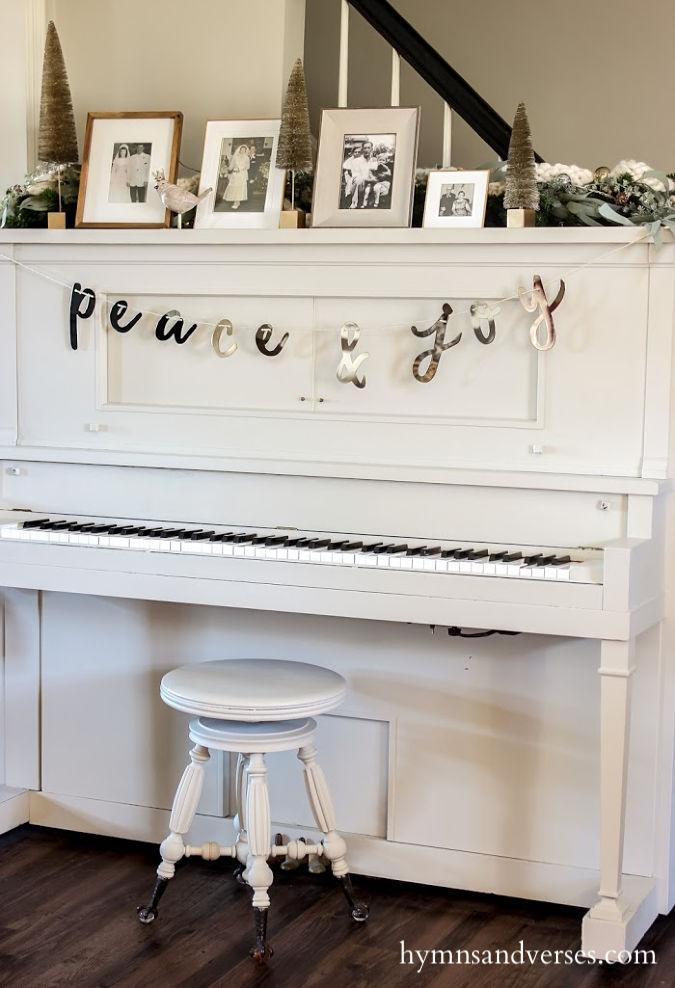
(175, 198)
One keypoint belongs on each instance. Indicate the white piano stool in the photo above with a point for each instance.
(252, 706)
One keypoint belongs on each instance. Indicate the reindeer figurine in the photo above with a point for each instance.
(175, 198)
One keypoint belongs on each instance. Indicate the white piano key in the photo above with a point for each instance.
(406, 562)
(293, 555)
(118, 542)
(346, 558)
(465, 566)
(489, 569)
(563, 573)
(429, 565)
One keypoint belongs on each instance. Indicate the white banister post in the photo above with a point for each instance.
(447, 135)
(344, 54)
(395, 78)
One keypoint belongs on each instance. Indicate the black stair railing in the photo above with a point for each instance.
(433, 68)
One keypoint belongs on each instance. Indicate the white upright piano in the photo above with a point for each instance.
(168, 502)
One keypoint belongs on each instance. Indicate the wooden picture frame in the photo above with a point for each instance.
(121, 153)
(365, 169)
(456, 199)
(239, 165)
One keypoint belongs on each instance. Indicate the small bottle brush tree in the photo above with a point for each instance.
(294, 150)
(521, 194)
(57, 138)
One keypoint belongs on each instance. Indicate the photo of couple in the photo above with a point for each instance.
(367, 171)
(130, 172)
(456, 200)
(243, 174)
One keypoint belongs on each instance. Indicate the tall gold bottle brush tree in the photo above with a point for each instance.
(521, 194)
(57, 138)
(294, 150)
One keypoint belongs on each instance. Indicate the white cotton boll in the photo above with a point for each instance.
(578, 176)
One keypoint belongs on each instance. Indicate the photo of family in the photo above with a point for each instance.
(456, 200)
(130, 171)
(367, 171)
(243, 174)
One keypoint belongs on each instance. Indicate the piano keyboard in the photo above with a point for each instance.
(289, 546)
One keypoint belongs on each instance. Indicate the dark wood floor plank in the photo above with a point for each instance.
(67, 918)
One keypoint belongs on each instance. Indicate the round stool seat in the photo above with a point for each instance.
(253, 689)
(248, 737)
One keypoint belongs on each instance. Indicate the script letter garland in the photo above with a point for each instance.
(171, 326)
(436, 352)
(348, 368)
(536, 299)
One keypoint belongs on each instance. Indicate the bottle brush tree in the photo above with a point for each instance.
(294, 150)
(57, 138)
(521, 190)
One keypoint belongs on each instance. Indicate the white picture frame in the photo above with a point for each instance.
(348, 190)
(248, 189)
(456, 198)
(121, 153)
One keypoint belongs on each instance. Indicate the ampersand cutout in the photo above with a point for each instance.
(347, 372)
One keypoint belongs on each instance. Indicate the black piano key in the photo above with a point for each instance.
(171, 533)
(533, 560)
(297, 542)
(316, 543)
(201, 536)
(416, 550)
(244, 538)
(477, 554)
(545, 560)
(352, 546)
(372, 547)
(100, 529)
(432, 551)
(259, 540)
(560, 560)
(449, 553)
(495, 557)
(512, 557)
(334, 546)
(273, 540)
(152, 533)
(58, 526)
(462, 553)
(37, 523)
(394, 549)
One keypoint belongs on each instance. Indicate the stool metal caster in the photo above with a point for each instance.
(261, 951)
(147, 914)
(359, 910)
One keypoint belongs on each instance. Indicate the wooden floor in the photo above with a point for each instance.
(67, 917)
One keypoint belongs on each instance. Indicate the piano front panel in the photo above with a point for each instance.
(503, 406)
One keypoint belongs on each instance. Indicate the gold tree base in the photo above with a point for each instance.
(56, 221)
(519, 218)
(292, 219)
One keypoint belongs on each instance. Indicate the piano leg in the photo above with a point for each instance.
(183, 811)
(619, 918)
(258, 873)
(334, 846)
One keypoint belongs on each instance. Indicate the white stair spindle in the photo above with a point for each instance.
(344, 54)
(395, 78)
(447, 135)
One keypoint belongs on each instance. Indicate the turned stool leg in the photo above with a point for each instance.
(258, 873)
(334, 846)
(239, 822)
(183, 811)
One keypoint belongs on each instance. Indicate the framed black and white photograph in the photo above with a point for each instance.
(121, 153)
(238, 164)
(365, 167)
(456, 198)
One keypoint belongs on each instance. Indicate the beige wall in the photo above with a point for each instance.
(598, 79)
(212, 59)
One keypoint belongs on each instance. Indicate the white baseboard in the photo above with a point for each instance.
(14, 808)
(367, 855)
